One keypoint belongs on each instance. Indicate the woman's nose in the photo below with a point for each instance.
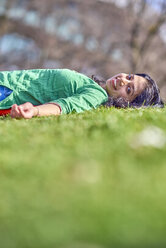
(124, 82)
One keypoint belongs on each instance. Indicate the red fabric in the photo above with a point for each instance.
(4, 111)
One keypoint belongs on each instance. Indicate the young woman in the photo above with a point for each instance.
(43, 92)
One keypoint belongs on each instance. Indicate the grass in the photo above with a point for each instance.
(83, 180)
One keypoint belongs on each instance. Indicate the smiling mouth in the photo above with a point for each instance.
(114, 84)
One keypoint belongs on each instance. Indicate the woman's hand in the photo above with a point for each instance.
(26, 110)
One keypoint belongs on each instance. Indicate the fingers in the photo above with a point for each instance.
(22, 110)
(25, 110)
(15, 112)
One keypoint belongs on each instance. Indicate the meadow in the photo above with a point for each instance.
(90, 180)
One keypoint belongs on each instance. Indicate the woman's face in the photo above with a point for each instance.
(127, 86)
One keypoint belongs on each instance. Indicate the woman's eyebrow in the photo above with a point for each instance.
(133, 90)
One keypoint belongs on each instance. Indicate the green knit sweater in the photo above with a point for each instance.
(69, 89)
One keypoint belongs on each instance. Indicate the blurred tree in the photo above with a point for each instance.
(146, 31)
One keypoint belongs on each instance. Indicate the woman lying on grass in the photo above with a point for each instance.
(44, 92)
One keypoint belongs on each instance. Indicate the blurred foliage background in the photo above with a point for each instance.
(102, 37)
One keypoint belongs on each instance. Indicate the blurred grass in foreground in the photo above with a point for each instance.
(83, 181)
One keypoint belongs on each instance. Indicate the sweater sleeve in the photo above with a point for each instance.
(87, 98)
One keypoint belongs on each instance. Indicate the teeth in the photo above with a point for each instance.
(115, 83)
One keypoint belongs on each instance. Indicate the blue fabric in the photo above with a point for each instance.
(4, 92)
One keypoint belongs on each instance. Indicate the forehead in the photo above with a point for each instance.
(140, 79)
(140, 84)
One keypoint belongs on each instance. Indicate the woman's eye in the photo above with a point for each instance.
(128, 89)
(130, 76)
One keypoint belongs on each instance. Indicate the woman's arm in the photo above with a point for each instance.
(87, 98)
(27, 110)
